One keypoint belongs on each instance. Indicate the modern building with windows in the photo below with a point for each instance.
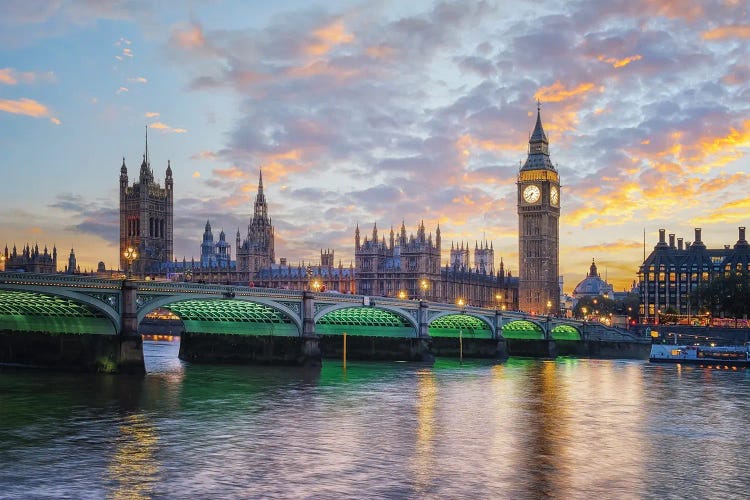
(675, 269)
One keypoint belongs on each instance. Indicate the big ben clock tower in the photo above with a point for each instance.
(538, 221)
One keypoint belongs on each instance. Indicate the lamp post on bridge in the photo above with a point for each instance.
(130, 255)
(424, 285)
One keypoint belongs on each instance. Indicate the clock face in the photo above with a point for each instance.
(531, 194)
(554, 196)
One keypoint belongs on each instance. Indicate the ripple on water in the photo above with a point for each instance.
(522, 429)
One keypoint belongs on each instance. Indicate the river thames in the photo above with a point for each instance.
(569, 428)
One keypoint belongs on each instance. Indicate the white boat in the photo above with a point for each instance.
(701, 354)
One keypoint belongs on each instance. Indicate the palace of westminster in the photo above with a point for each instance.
(396, 264)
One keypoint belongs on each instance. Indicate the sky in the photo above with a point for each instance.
(363, 112)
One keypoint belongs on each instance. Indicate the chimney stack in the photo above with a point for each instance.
(671, 240)
(697, 235)
(679, 243)
(742, 233)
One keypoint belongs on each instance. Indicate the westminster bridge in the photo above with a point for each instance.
(92, 324)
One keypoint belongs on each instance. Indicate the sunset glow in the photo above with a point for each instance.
(362, 112)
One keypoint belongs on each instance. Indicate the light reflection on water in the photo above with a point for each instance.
(522, 429)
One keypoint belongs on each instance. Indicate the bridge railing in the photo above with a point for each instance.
(17, 278)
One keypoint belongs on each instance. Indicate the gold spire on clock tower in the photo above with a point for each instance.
(538, 227)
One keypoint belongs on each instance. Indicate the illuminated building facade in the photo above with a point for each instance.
(217, 254)
(256, 251)
(674, 270)
(538, 227)
(30, 259)
(409, 267)
(146, 218)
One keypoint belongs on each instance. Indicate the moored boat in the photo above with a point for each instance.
(738, 355)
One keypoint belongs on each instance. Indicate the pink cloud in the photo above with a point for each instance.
(24, 106)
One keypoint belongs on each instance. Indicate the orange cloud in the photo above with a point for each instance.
(318, 68)
(328, 37)
(557, 92)
(724, 32)
(151, 114)
(196, 174)
(190, 38)
(24, 106)
(380, 51)
(167, 129)
(9, 76)
(619, 63)
(204, 155)
(231, 173)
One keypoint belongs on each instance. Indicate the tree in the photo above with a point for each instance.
(725, 295)
(599, 306)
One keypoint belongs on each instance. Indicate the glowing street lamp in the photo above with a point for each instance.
(584, 311)
(549, 306)
(316, 285)
(402, 294)
(423, 285)
(460, 302)
(130, 255)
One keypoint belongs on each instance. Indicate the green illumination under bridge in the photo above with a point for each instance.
(365, 321)
(36, 312)
(522, 329)
(460, 325)
(565, 332)
(232, 317)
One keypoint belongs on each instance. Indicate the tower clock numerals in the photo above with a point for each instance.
(532, 193)
(554, 196)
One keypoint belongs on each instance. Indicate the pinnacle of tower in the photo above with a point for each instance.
(123, 168)
(169, 168)
(260, 180)
(592, 269)
(538, 134)
(538, 157)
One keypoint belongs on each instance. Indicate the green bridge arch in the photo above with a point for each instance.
(459, 325)
(365, 321)
(31, 311)
(565, 332)
(522, 329)
(230, 317)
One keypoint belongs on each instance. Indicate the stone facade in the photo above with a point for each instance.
(409, 268)
(538, 227)
(256, 251)
(146, 218)
(30, 259)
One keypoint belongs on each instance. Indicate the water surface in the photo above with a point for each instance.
(569, 428)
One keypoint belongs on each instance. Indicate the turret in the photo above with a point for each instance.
(356, 237)
(123, 178)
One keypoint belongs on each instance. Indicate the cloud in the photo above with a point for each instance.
(138, 79)
(558, 92)
(11, 76)
(204, 155)
(121, 90)
(327, 37)
(151, 114)
(619, 63)
(24, 106)
(724, 32)
(167, 129)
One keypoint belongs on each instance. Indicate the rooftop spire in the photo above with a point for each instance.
(538, 158)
